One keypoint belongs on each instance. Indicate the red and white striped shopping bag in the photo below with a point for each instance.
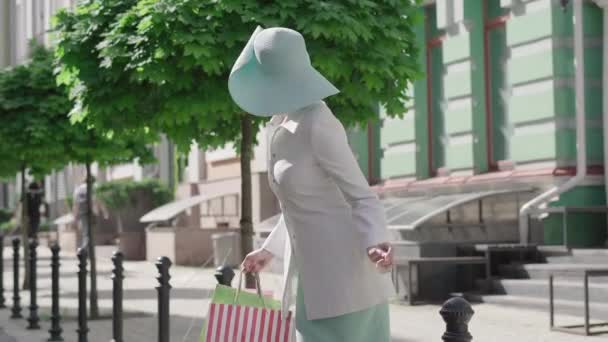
(242, 316)
(237, 323)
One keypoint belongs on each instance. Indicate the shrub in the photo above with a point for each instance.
(45, 227)
(120, 194)
(7, 226)
(70, 202)
(5, 215)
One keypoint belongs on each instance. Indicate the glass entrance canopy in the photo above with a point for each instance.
(409, 213)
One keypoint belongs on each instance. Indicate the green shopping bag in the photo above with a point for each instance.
(236, 315)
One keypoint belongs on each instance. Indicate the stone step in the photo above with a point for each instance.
(567, 289)
(578, 259)
(603, 252)
(580, 255)
(542, 271)
(574, 308)
(549, 251)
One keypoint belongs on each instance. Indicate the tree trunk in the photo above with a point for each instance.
(119, 227)
(68, 192)
(246, 210)
(25, 231)
(94, 313)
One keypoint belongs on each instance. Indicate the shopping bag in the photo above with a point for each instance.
(241, 316)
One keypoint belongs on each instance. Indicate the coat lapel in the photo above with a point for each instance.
(272, 127)
(290, 125)
(289, 271)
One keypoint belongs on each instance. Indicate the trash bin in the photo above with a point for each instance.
(227, 249)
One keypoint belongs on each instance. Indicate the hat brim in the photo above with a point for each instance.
(263, 94)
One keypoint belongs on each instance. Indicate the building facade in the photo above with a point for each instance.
(497, 109)
(217, 174)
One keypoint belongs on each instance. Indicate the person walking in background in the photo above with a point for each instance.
(34, 198)
(80, 210)
(332, 233)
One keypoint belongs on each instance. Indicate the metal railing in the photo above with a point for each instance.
(565, 211)
(576, 328)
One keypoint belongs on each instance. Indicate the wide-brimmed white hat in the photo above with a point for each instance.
(273, 74)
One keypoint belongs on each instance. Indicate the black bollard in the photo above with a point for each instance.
(224, 275)
(163, 264)
(82, 295)
(457, 313)
(2, 304)
(16, 310)
(55, 330)
(117, 277)
(33, 319)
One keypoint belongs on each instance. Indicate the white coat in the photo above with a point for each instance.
(329, 213)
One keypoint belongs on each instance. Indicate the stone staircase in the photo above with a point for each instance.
(526, 285)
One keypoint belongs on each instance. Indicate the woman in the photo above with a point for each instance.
(332, 233)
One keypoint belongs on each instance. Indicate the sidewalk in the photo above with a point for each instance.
(189, 302)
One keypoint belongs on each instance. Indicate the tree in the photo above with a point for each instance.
(32, 111)
(166, 62)
(38, 136)
(89, 145)
(32, 117)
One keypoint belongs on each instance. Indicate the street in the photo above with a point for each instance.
(189, 300)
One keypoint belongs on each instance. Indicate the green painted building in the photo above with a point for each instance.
(497, 110)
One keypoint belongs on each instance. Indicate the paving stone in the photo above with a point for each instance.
(4, 337)
(190, 299)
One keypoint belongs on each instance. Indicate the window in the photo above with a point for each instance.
(495, 59)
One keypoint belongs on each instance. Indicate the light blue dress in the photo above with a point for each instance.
(372, 324)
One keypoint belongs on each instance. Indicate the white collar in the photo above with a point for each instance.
(277, 118)
(289, 124)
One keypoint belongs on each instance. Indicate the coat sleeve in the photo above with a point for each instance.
(333, 154)
(275, 242)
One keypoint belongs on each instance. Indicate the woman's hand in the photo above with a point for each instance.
(255, 261)
(382, 256)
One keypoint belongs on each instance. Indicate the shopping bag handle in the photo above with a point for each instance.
(257, 286)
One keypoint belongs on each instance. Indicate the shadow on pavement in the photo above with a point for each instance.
(147, 293)
(42, 261)
(71, 314)
(137, 327)
(4, 337)
(64, 274)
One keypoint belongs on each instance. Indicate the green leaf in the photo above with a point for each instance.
(164, 64)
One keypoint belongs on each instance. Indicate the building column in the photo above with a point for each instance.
(603, 4)
(166, 162)
(5, 33)
(475, 15)
(195, 172)
(420, 106)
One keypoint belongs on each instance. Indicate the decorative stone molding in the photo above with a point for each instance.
(450, 14)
